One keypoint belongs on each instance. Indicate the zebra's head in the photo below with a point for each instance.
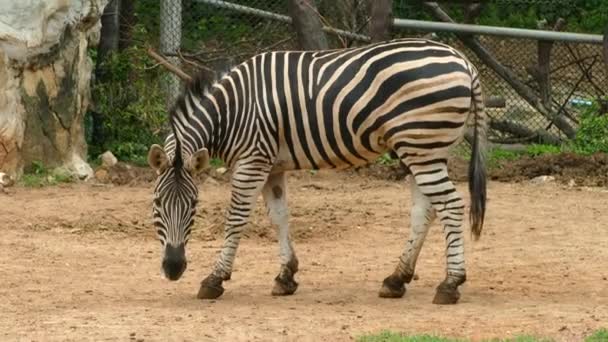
(175, 199)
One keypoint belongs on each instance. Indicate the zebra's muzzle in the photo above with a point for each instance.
(174, 262)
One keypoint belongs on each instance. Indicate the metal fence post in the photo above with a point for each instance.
(170, 42)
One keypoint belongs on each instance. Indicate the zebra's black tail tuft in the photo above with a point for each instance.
(477, 168)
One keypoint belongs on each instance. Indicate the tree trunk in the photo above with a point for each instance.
(471, 12)
(544, 65)
(109, 35)
(126, 22)
(45, 83)
(606, 47)
(108, 44)
(381, 13)
(307, 24)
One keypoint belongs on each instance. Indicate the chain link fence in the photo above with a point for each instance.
(216, 35)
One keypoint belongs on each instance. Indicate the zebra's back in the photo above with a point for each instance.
(341, 108)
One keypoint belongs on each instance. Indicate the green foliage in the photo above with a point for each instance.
(498, 155)
(208, 28)
(591, 137)
(132, 104)
(37, 168)
(37, 175)
(592, 134)
(495, 156)
(216, 162)
(588, 16)
(539, 149)
(509, 16)
(387, 160)
(221, 27)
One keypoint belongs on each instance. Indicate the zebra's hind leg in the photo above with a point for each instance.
(247, 182)
(433, 181)
(421, 216)
(275, 196)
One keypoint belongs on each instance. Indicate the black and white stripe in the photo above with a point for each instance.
(289, 110)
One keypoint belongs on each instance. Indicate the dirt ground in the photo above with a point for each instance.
(80, 262)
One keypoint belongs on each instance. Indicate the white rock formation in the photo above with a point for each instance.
(44, 82)
(108, 159)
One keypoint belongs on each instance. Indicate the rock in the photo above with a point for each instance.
(102, 175)
(108, 160)
(572, 183)
(542, 179)
(6, 180)
(211, 181)
(79, 168)
(221, 170)
(45, 75)
(122, 174)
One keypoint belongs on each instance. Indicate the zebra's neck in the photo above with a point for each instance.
(218, 119)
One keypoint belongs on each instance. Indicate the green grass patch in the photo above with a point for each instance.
(537, 150)
(216, 162)
(38, 176)
(599, 336)
(387, 160)
(389, 336)
(497, 156)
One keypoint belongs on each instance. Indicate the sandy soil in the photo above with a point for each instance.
(80, 262)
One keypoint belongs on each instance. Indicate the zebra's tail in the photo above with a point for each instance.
(477, 168)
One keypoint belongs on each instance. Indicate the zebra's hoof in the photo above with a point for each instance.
(284, 287)
(207, 292)
(392, 287)
(446, 295)
(211, 288)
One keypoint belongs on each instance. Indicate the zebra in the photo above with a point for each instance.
(296, 110)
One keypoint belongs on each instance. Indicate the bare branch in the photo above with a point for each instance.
(162, 61)
(522, 133)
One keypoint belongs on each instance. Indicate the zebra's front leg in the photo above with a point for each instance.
(421, 216)
(247, 183)
(275, 196)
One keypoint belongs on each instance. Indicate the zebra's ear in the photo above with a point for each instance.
(198, 161)
(157, 158)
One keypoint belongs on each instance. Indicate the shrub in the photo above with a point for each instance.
(132, 104)
(592, 134)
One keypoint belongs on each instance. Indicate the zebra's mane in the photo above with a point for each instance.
(198, 86)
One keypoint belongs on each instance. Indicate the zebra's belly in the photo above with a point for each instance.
(328, 159)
